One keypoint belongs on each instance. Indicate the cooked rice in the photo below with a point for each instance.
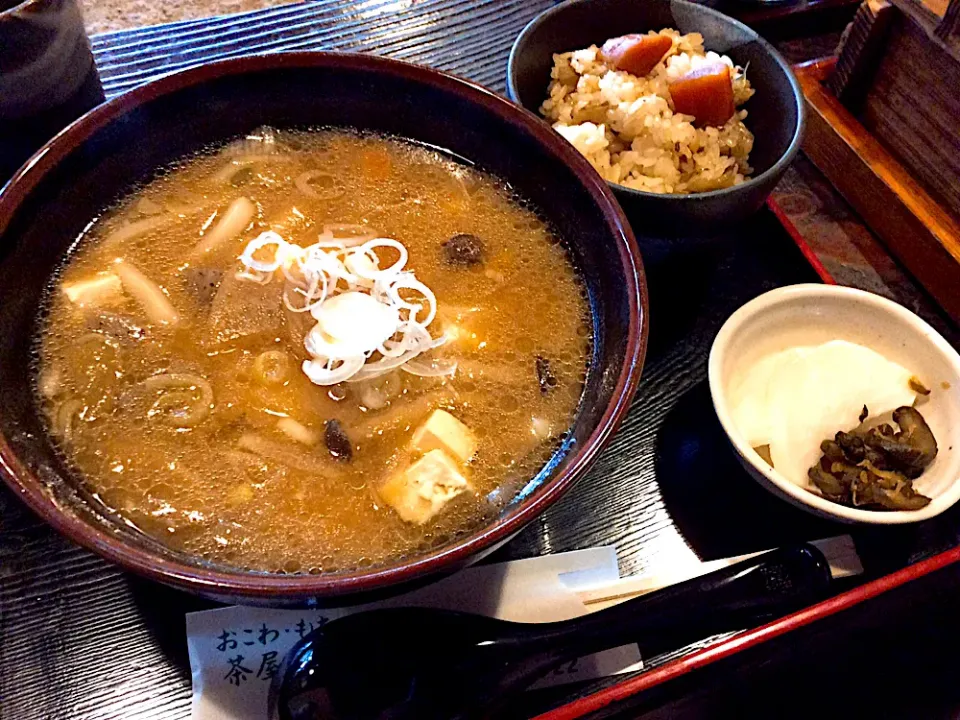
(626, 127)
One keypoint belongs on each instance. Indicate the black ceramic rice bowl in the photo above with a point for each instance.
(775, 112)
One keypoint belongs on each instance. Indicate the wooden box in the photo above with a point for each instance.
(883, 125)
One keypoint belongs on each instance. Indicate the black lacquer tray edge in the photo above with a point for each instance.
(621, 691)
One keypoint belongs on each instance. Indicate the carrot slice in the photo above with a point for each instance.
(636, 54)
(707, 94)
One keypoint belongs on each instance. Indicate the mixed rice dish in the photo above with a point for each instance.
(654, 112)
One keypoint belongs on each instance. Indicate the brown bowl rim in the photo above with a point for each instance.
(213, 581)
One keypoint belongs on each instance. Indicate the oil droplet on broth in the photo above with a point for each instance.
(509, 404)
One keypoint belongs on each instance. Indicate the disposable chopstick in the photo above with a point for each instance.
(840, 553)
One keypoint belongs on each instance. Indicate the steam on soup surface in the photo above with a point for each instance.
(313, 351)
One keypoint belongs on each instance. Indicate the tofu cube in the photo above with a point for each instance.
(442, 431)
(101, 289)
(424, 488)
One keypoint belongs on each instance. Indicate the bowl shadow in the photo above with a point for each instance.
(720, 510)
(163, 611)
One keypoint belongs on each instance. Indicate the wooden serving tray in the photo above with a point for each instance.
(916, 228)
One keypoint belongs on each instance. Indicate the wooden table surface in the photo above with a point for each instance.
(103, 16)
(80, 639)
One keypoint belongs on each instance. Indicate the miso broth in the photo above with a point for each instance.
(172, 373)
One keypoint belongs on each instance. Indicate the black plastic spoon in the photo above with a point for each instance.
(438, 665)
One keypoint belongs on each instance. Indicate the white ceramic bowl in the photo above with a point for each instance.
(813, 314)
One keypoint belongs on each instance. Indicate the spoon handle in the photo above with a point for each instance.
(732, 598)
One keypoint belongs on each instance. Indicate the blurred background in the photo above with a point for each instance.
(105, 15)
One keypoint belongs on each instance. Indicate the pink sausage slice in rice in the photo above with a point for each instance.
(636, 54)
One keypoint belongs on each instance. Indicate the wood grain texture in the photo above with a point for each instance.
(913, 107)
(949, 28)
(466, 38)
(110, 15)
(70, 622)
(858, 51)
(460, 36)
(923, 236)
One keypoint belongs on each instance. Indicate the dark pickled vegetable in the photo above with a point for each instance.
(867, 487)
(875, 468)
(856, 450)
(545, 376)
(851, 446)
(202, 283)
(336, 440)
(909, 450)
(833, 487)
(912, 449)
(463, 249)
(918, 387)
(833, 451)
(903, 457)
(886, 488)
